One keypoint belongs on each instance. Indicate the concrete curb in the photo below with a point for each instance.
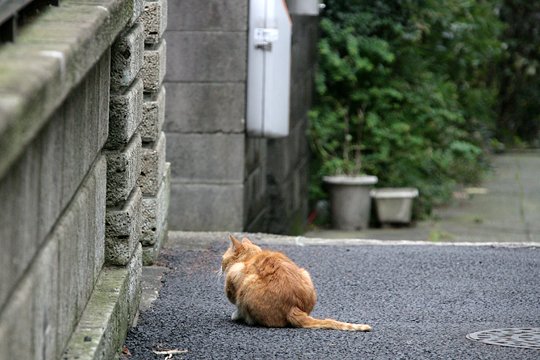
(195, 239)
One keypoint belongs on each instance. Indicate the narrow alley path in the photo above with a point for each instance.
(422, 300)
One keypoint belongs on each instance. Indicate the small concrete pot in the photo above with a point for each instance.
(350, 201)
(394, 205)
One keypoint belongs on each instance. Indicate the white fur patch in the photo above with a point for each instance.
(306, 275)
(235, 315)
(236, 270)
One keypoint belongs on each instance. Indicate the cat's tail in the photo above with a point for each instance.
(301, 319)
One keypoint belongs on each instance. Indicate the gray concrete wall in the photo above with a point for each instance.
(205, 109)
(84, 184)
(221, 178)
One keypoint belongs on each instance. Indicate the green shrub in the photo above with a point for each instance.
(519, 74)
(403, 93)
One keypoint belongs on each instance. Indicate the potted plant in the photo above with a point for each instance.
(337, 140)
(394, 205)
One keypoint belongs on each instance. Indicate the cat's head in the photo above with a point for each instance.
(238, 251)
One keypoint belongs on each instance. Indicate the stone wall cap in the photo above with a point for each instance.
(42, 67)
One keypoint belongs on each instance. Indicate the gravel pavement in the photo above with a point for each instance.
(422, 300)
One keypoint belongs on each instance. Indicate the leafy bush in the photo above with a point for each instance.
(403, 91)
(519, 74)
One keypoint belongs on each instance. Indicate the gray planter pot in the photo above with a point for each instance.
(350, 201)
(394, 205)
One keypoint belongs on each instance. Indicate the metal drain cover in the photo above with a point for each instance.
(528, 338)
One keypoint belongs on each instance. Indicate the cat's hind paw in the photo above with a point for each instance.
(235, 315)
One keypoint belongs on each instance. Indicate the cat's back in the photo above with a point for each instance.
(275, 280)
(275, 266)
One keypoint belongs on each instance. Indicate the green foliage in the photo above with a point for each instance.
(519, 74)
(403, 92)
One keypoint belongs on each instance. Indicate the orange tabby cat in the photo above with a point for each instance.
(268, 289)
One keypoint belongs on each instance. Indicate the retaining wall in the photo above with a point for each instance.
(83, 180)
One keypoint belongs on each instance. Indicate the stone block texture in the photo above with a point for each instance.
(127, 57)
(123, 168)
(150, 253)
(52, 57)
(154, 211)
(36, 190)
(155, 65)
(154, 19)
(153, 116)
(47, 302)
(125, 115)
(68, 192)
(153, 166)
(122, 230)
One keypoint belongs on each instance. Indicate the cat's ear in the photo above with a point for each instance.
(235, 242)
(246, 241)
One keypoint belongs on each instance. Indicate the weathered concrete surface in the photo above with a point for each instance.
(185, 152)
(213, 201)
(50, 58)
(153, 116)
(125, 115)
(154, 68)
(153, 166)
(45, 301)
(123, 229)
(420, 299)
(111, 308)
(127, 57)
(154, 19)
(508, 212)
(154, 210)
(206, 56)
(151, 284)
(205, 107)
(209, 15)
(151, 252)
(123, 169)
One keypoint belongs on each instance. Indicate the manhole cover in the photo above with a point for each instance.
(528, 338)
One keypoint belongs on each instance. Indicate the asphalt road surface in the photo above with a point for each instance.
(421, 300)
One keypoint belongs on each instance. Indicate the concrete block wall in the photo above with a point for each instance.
(154, 177)
(205, 112)
(47, 278)
(53, 257)
(124, 145)
(78, 176)
(221, 179)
